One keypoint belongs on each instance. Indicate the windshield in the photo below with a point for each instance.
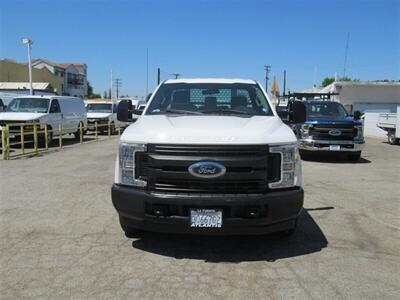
(99, 107)
(210, 99)
(326, 109)
(34, 105)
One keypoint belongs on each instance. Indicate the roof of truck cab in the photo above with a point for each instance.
(210, 80)
(108, 101)
(46, 97)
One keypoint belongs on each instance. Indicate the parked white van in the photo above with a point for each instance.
(47, 111)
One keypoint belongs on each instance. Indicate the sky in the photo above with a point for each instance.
(220, 38)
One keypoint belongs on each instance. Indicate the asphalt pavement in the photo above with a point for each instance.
(60, 237)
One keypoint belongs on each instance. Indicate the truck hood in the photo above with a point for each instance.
(98, 115)
(20, 116)
(332, 120)
(208, 130)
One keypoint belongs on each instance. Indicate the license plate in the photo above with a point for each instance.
(334, 147)
(206, 218)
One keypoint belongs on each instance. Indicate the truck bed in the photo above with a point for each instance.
(387, 121)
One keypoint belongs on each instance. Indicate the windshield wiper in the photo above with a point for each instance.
(183, 112)
(227, 111)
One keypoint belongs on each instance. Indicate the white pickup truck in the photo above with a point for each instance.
(390, 122)
(208, 156)
(104, 114)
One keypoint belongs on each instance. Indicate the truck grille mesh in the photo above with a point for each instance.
(249, 169)
(322, 132)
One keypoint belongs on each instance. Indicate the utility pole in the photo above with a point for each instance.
(176, 75)
(158, 75)
(267, 70)
(117, 84)
(111, 83)
(28, 42)
(284, 82)
(147, 71)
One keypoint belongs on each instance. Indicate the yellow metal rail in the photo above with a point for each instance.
(39, 137)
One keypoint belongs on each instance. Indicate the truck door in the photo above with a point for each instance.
(55, 116)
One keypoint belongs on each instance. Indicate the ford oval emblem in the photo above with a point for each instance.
(207, 169)
(335, 132)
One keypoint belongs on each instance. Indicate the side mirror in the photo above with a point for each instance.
(299, 112)
(282, 113)
(124, 111)
(357, 115)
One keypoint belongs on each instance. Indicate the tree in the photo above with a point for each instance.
(327, 81)
(94, 96)
(348, 79)
(109, 93)
(105, 95)
(89, 89)
(91, 95)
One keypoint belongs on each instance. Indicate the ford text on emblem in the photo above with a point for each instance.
(207, 169)
(335, 132)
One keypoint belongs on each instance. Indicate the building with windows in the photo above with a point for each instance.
(72, 75)
(12, 71)
(68, 79)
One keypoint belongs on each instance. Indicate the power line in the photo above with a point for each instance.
(117, 84)
(284, 82)
(267, 70)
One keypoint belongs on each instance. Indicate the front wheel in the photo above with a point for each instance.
(77, 134)
(112, 128)
(354, 156)
(42, 139)
(392, 140)
(130, 232)
(291, 231)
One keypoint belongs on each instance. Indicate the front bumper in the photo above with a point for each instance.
(101, 125)
(324, 145)
(278, 211)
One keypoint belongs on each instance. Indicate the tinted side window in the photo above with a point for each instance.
(55, 107)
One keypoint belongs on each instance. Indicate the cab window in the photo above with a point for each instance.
(55, 107)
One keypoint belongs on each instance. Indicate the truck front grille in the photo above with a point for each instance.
(249, 169)
(324, 132)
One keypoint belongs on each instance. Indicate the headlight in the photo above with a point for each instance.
(127, 164)
(360, 132)
(290, 166)
(305, 130)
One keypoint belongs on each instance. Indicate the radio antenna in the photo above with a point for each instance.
(345, 54)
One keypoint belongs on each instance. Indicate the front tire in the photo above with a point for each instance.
(77, 134)
(392, 140)
(289, 232)
(354, 156)
(42, 139)
(130, 232)
(112, 128)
